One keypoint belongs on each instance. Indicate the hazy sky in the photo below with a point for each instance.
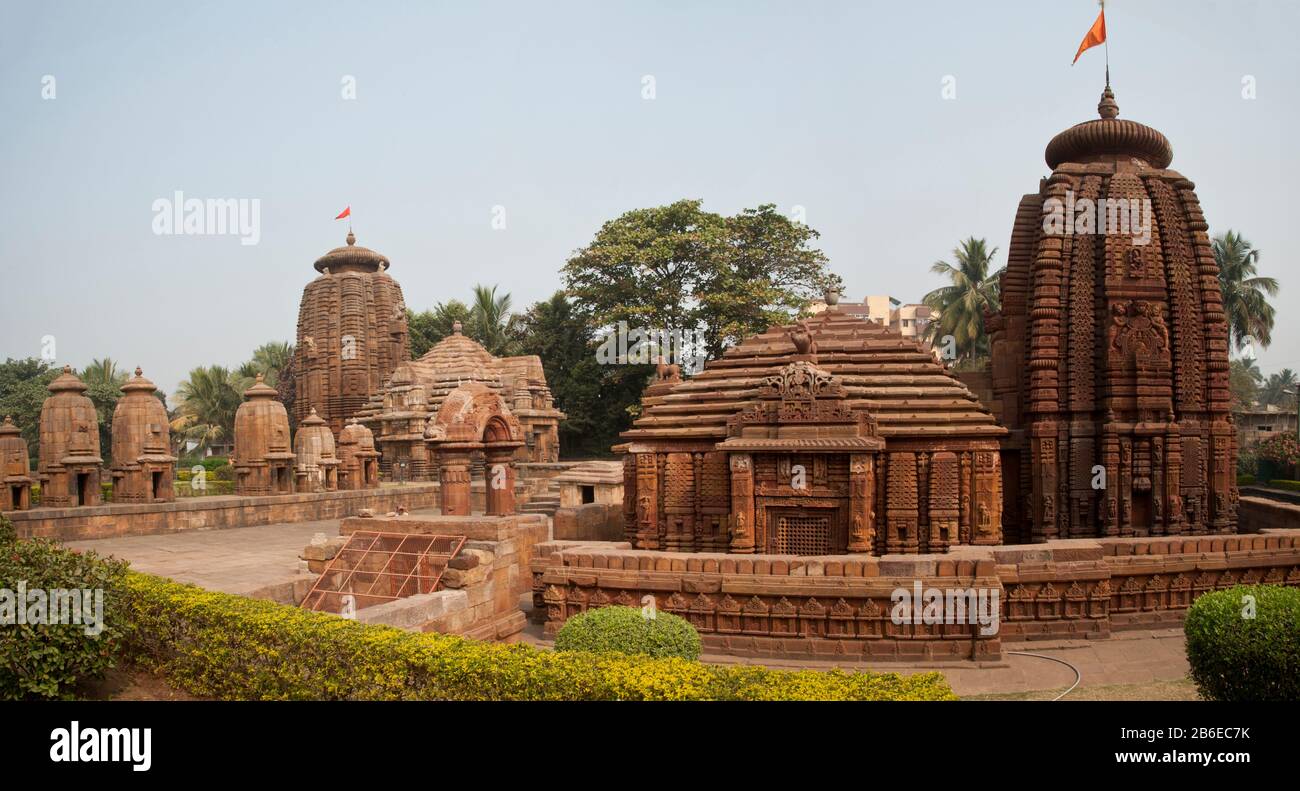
(538, 108)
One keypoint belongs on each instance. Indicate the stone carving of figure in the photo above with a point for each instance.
(802, 339)
(1049, 508)
(1111, 509)
(1118, 320)
(666, 372)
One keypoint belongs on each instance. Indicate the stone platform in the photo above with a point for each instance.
(481, 586)
(841, 606)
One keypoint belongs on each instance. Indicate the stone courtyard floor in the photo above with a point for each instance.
(263, 562)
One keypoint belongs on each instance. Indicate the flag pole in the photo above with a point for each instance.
(1106, 43)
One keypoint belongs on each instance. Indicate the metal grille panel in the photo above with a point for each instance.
(374, 568)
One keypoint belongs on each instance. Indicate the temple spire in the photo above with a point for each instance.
(1107, 108)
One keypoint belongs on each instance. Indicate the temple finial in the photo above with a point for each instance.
(1107, 108)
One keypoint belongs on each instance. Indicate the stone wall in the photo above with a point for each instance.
(590, 522)
(840, 605)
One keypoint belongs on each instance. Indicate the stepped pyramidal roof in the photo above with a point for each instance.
(895, 380)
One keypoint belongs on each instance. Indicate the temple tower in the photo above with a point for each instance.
(143, 466)
(1110, 354)
(15, 469)
(69, 457)
(263, 460)
(352, 333)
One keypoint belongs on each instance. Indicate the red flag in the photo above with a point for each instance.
(1096, 35)
(345, 213)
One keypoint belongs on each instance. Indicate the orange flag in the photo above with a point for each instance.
(345, 213)
(1096, 35)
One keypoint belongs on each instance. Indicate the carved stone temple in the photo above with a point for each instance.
(1110, 355)
(835, 435)
(143, 464)
(399, 413)
(15, 469)
(317, 464)
(263, 459)
(69, 462)
(358, 459)
(352, 333)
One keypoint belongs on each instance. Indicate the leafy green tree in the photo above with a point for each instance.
(961, 305)
(206, 405)
(1244, 293)
(678, 267)
(600, 400)
(430, 326)
(24, 386)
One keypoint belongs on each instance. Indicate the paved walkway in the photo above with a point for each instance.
(246, 560)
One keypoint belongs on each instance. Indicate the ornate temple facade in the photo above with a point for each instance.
(475, 418)
(399, 413)
(15, 469)
(263, 459)
(1110, 354)
(835, 435)
(143, 464)
(69, 462)
(352, 333)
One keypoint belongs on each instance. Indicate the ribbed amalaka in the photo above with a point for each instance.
(143, 465)
(1110, 354)
(69, 467)
(352, 333)
(835, 435)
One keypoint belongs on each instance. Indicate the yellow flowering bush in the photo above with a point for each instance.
(231, 647)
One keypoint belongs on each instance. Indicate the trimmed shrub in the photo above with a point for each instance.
(46, 660)
(625, 630)
(1278, 483)
(1235, 657)
(1245, 480)
(225, 646)
(8, 533)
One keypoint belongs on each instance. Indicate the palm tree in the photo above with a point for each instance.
(206, 404)
(104, 373)
(490, 322)
(269, 360)
(1278, 389)
(961, 306)
(1248, 312)
(1244, 379)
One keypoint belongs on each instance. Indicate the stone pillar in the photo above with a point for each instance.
(453, 494)
(901, 505)
(647, 501)
(1173, 481)
(742, 504)
(862, 515)
(499, 478)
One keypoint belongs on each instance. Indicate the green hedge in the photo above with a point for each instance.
(625, 630)
(231, 647)
(1245, 480)
(48, 660)
(1235, 657)
(1278, 483)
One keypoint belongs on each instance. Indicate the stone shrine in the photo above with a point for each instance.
(317, 464)
(69, 466)
(143, 465)
(399, 414)
(352, 332)
(15, 469)
(833, 435)
(474, 418)
(1110, 354)
(263, 460)
(358, 459)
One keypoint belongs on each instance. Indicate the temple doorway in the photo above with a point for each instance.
(83, 488)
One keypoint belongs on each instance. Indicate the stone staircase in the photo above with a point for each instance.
(546, 502)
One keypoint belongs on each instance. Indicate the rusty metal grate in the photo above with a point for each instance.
(803, 535)
(374, 568)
